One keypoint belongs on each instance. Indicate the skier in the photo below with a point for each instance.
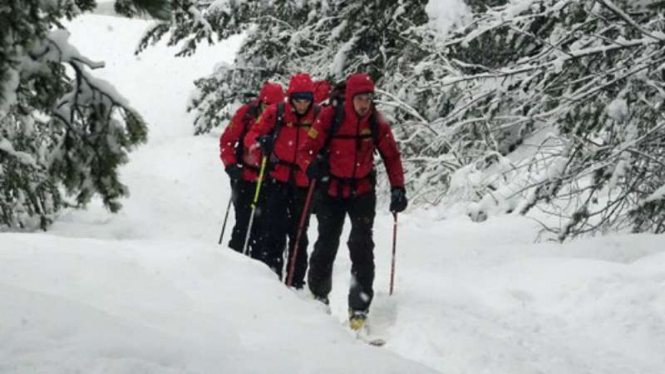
(279, 134)
(340, 149)
(242, 164)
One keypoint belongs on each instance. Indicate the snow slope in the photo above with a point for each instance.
(149, 291)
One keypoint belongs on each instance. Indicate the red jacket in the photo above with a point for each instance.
(351, 150)
(291, 135)
(240, 125)
(231, 139)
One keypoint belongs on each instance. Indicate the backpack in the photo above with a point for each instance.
(252, 113)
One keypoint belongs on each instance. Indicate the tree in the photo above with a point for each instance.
(586, 74)
(328, 39)
(60, 127)
(593, 72)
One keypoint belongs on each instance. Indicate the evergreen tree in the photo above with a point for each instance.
(588, 72)
(59, 128)
(326, 38)
(591, 70)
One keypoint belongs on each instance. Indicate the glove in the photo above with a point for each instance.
(314, 171)
(266, 143)
(234, 171)
(398, 200)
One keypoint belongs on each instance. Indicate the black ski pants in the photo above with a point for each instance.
(284, 206)
(243, 195)
(331, 212)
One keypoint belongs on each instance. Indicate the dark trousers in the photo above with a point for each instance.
(331, 212)
(243, 195)
(283, 209)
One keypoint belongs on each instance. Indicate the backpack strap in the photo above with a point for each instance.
(272, 159)
(317, 111)
(280, 120)
(338, 118)
(374, 127)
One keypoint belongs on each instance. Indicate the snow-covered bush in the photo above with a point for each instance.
(593, 72)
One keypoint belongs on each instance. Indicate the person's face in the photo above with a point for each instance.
(362, 103)
(301, 105)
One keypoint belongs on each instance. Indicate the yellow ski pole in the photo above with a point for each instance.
(254, 202)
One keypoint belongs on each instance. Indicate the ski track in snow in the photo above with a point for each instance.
(149, 291)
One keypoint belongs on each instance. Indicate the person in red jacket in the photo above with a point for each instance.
(350, 189)
(279, 134)
(242, 164)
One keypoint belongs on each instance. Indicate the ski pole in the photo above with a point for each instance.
(301, 227)
(392, 265)
(226, 217)
(254, 202)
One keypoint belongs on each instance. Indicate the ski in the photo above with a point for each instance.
(375, 342)
(363, 334)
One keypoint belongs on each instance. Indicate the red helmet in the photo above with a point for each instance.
(302, 86)
(321, 91)
(271, 93)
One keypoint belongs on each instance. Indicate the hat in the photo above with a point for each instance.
(271, 93)
(302, 96)
(301, 83)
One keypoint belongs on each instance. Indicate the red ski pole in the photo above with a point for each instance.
(392, 265)
(301, 227)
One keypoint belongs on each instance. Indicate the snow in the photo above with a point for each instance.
(618, 109)
(8, 94)
(337, 65)
(443, 14)
(337, 31)
(200, 20)
(149, 291)
(659, 194)
(66, 52)
(24, 158)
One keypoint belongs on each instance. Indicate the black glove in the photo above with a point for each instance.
(398, 200)
(314, 171)
(266, 143)
(234, 171)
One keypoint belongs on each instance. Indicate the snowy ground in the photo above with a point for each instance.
(149, 291)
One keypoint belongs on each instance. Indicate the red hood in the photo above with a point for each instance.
(300, 82)
(271, 93)
(356, 84)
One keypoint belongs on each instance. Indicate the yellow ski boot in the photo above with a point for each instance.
(357, 319)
